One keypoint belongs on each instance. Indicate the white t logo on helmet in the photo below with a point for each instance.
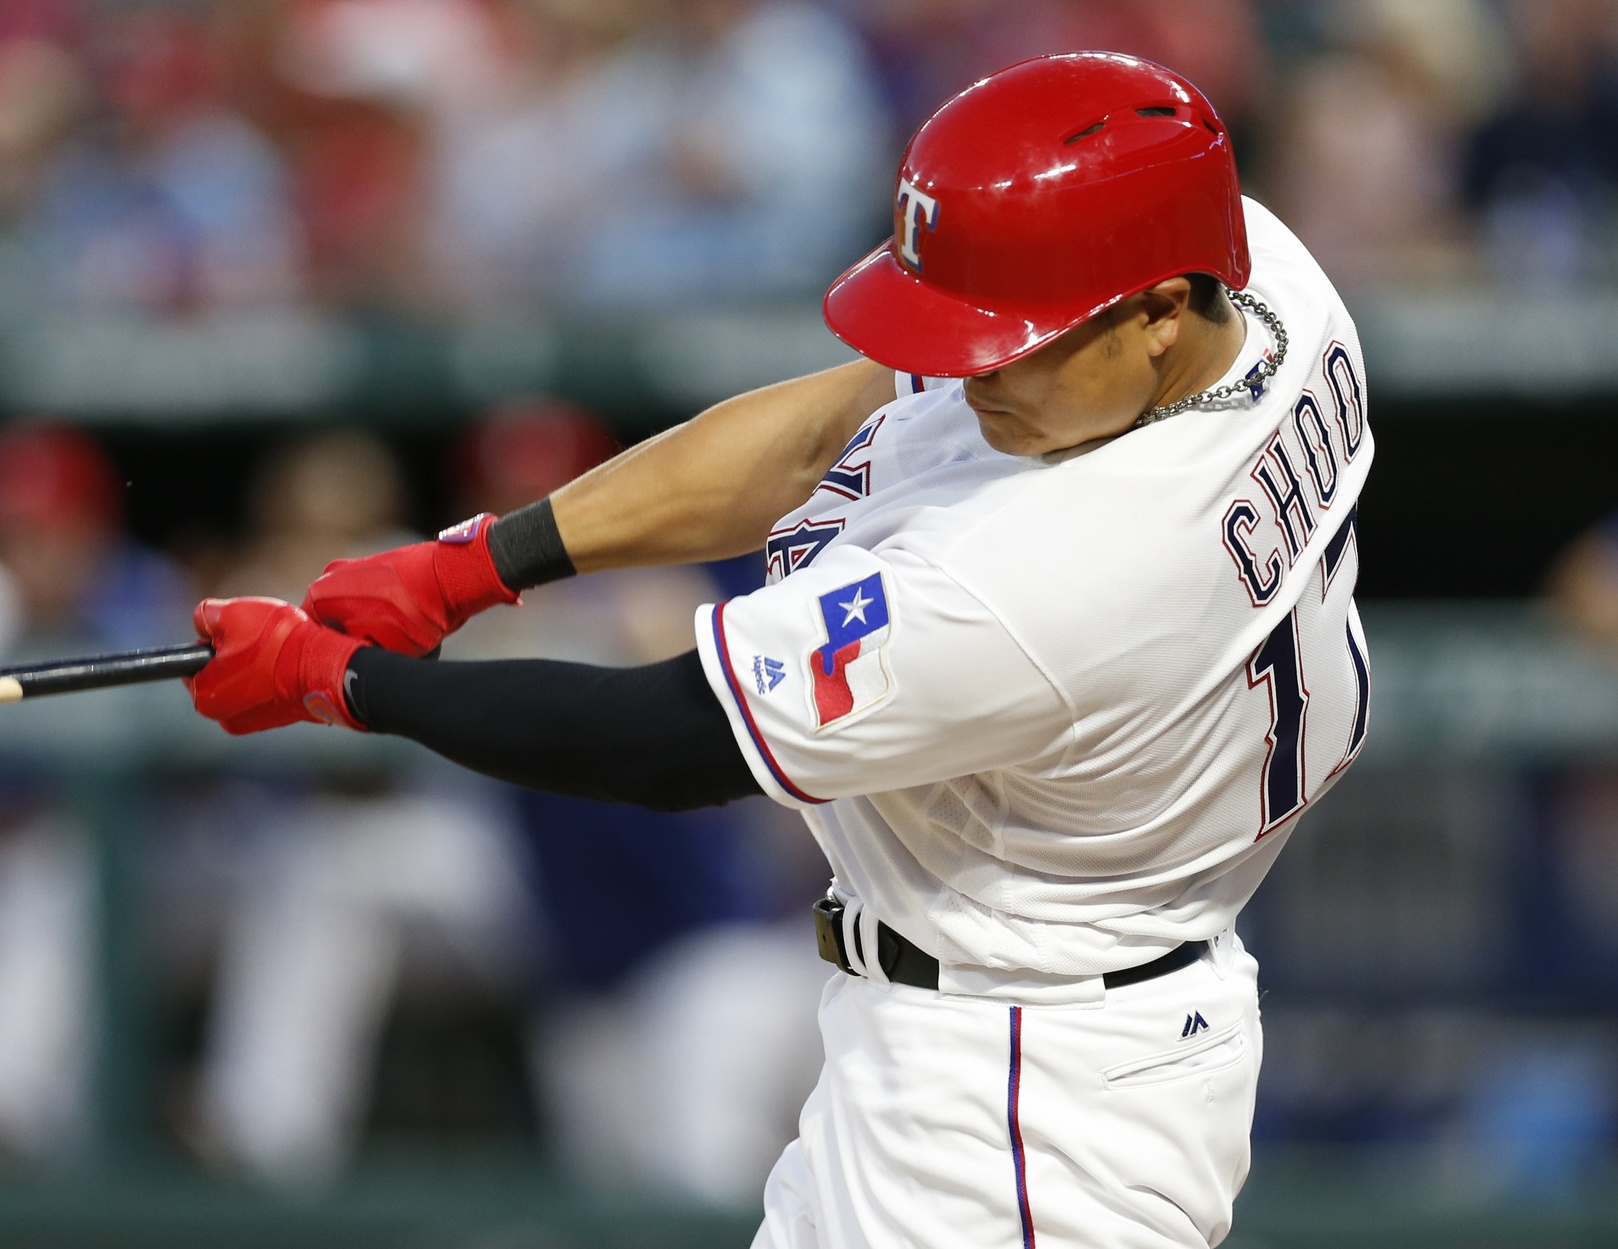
(914, 209)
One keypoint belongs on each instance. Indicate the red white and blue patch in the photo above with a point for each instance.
(846, 672)
(466, 531)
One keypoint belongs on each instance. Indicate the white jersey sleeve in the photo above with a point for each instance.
(914, 384)
(867, 673)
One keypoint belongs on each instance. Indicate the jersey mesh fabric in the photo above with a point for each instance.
(1059, 714)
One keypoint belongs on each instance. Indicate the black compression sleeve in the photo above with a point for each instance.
(527, 547)
(654, 736)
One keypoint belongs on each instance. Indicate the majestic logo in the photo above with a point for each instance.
(913, 210)
(846, 673)
(788, 550)
(1194, 1023)
(768, 673)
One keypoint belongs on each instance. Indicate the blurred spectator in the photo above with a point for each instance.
(333, 495)
(716, 149)
(1583, 584)
(1579, 841)
(43, 93)
(658, 1070)
(66, 22)
(928, 50)
(1545, 1117)
(1539, 1119)
(1366, 142)
(351, 888)
(346, 898)
(175, 203)
(78, 577)
(47, 966)
(518, 168)
(413, 53)
(72, 579)
(358, 86)
(1543, 171)
(763, 170)
(486, 155)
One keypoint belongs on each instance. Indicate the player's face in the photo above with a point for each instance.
(1093, 382)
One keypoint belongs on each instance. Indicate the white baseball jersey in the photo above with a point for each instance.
(1050, 717)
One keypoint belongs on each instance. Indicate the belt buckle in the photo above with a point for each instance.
(828, 913)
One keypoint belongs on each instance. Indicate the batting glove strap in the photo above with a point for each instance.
(312, 668)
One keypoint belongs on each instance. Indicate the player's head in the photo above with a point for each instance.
(1035, 200)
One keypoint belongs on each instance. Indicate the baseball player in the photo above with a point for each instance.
(1058, 643)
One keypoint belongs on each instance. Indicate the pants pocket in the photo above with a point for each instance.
(1207, 1054)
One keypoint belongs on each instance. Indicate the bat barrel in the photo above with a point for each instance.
(92, 672)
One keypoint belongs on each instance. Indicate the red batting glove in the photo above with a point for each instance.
(411, 598)
(271, 666)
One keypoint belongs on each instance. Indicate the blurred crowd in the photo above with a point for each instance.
(461, 157)
(294, 905)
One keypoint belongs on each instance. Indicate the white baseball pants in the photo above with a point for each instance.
(951, 1121)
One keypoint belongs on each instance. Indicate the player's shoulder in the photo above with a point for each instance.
(1271, 241)
(1287, 277)
(915, 395)
(926, 429)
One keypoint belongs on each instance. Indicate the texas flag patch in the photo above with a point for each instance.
(846, 673)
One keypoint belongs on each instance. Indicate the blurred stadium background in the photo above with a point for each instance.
(282, 280)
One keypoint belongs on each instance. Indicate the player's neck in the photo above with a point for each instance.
(1202, 355)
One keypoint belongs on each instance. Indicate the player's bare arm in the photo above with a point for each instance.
(712, 487)
(707, 489)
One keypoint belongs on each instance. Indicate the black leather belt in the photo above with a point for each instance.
(906, 963)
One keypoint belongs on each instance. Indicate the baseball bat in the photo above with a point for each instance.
(94, 672)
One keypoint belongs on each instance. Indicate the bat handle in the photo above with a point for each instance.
(100, 671)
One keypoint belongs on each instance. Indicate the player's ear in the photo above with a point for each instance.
(1165, 305)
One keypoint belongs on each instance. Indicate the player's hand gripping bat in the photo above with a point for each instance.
(267, 664)
(94, 672)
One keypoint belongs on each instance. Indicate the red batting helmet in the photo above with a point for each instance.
(1035, 199)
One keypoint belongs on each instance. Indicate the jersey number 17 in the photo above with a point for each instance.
(1278, 666)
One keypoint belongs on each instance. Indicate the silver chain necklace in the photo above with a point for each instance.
(1266, 369)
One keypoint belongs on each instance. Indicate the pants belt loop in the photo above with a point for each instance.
(853, 943)
(861, 936)
(871, 945)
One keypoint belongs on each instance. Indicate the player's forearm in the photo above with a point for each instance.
(653, 736)
(712, 487)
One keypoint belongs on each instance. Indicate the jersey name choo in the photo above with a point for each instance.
(1266, 531)
(1052, 716)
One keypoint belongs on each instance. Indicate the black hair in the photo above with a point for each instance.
(1207, 298)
